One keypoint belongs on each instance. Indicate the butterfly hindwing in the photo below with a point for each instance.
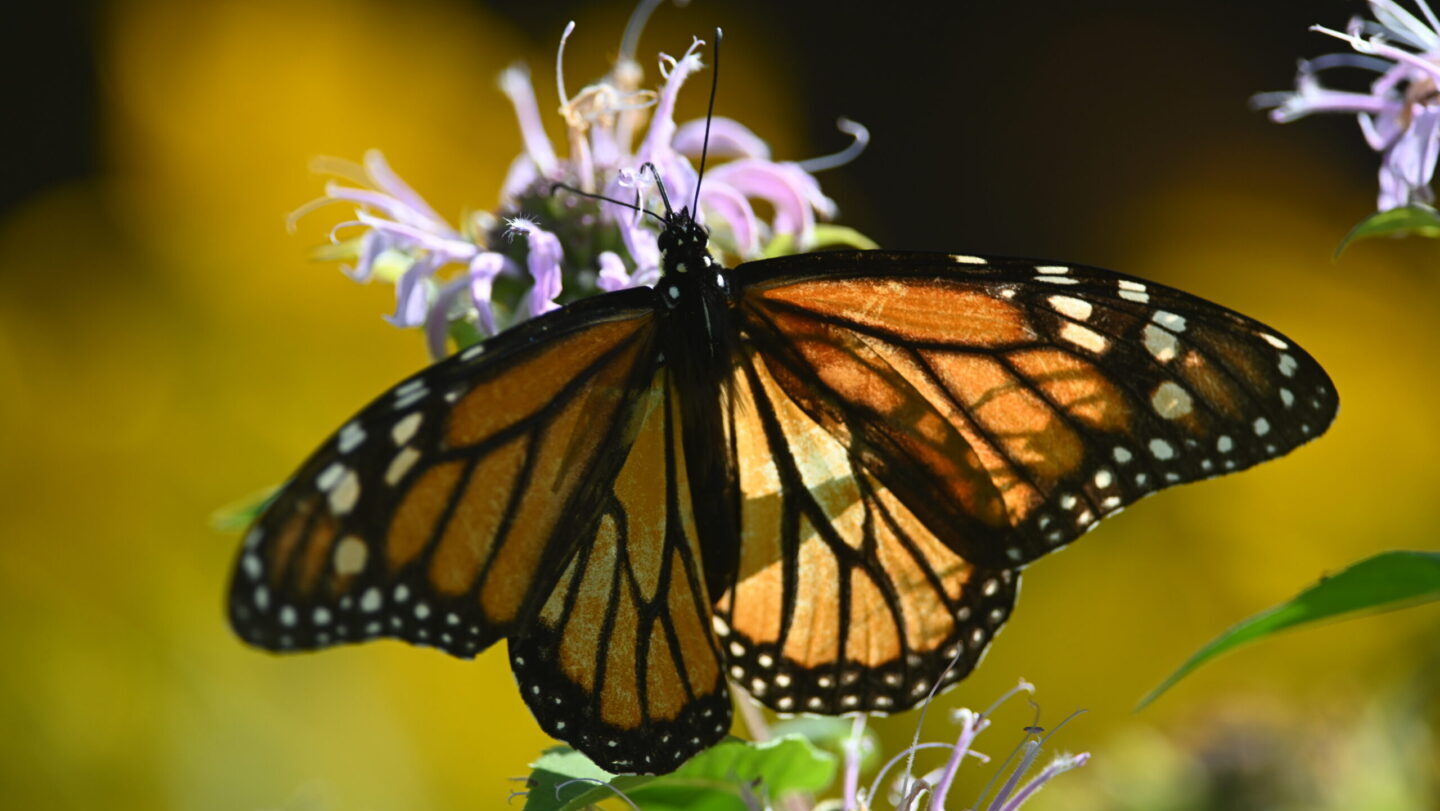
(1072, 391)
(844, 600)
(433, 515)
(620, 660)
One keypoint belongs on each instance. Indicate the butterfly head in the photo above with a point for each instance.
(683, 246)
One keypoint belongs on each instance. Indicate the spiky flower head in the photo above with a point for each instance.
(1400, 114)
(543, 247)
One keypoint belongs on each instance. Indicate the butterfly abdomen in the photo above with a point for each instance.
(699, 344)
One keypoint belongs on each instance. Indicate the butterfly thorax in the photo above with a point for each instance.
(697, 302)
(683, 246)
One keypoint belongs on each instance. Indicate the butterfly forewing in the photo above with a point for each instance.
(436, 513)
(620, 660)
(1073, 391)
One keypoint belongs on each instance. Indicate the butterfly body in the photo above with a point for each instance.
(816, 477)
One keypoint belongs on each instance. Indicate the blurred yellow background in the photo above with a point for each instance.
(166, 349)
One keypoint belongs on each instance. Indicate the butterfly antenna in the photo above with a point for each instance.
(659, 185)
(632, 206)
(709, 114)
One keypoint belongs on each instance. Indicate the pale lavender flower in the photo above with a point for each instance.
(1400, 115)
(543, 259)
(412, 243)
(446, 277)
(930, 792)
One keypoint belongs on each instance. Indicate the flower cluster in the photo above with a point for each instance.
(1400, 115)
(543, 248)
(931, 791)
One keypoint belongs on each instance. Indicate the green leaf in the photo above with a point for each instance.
(825, 235)
(831, 734)
(1385, 582)
(714, 780)
(782, 765)
(464, 334)
(829, 235)
(671, 794)
(825, 731)
(1416, 218)
(241, 514)
(552, 785)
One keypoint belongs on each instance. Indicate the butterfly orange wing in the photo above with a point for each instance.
(976, 413)
(620, 660)
(441, 510)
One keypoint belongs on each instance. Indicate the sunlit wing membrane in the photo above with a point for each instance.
(620, 660)
(1074, 390)
(844, 600)
(434, 513)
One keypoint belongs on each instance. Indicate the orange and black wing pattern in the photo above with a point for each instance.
(444, 510)
(844, 600)
(620, 660)
(976, 413)
(894, 437)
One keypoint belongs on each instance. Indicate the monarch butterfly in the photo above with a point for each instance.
(816, 476)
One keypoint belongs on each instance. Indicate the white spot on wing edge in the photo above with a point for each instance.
(400, 465)
(345, 494)
(966, 260)
(1071, 307)
(1133, 291)
(1169, 320)
(370, 600)
(1052, 270)
(411, 398)
(1171, 400)
(1161, 449)
(406, 427)
(410, 387)
(1273, 341)
(1287, 365)
(1160, 343)
(1084, 337)
(350, 555)
(329, 477)
(350, 437)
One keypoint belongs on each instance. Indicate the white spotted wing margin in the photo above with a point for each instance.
(620, 660)
(1025, 400)
(442, 510)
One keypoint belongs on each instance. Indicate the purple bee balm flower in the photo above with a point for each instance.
(1400, 116)
(908, 789)
(573, 246)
